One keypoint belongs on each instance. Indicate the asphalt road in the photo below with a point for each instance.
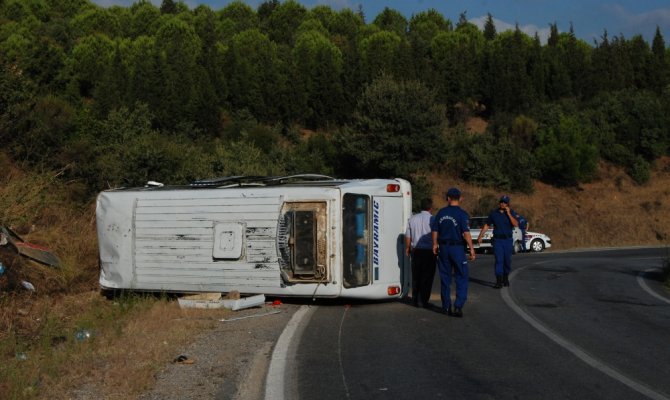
(573, 325)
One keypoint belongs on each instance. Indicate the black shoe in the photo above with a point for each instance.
(458, 313)
(447, 311)
(427, 305)
(499, 283)
(505, 280)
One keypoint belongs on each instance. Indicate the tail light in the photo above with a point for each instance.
(392, 188)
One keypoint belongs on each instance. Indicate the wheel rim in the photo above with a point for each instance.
(537, 245)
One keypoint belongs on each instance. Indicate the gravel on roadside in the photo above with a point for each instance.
(227, 362)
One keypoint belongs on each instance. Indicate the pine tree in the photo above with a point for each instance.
(489, 28)
(659, 78)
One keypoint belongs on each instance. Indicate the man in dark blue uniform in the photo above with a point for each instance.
(503, 221)
(451, 232)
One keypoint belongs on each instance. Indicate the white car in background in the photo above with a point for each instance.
(537, 242)
(476, 224)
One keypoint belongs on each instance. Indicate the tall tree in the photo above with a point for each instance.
(398, 129)
(423, 27)
(383, 52)
(211, 83)
(319, 63)
(345, 29)
(96, 20)
(392, 21)
(600, 75)
(552, 41)
(283, 21)
(640, 55)
(557, 84)
(169, 7)
(457, 56)
(489, 28)
(178, 48)
(112, 91)
(90, 56)
(510, 87)
(253, 65)
(144, 19)
(237, 17)
(659, 69)
(577, 61)
(144, 83)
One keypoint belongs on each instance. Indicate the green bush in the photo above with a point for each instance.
(565, 156)
(499, 163)
(640, 170)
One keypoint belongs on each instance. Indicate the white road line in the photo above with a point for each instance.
(643, 284)
(577, 351)
(339, 353)
(274, 382)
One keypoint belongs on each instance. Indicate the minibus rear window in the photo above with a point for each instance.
(356, 240)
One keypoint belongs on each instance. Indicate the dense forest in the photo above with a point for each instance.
(121, 95)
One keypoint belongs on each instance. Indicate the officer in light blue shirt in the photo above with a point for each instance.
(503, 221)
(451, 234)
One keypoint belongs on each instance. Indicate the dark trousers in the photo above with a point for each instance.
(453, 264)
(423, 272)
(502, 250)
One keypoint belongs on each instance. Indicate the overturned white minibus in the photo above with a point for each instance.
(301, 235)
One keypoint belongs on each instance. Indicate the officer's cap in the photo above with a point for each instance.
(454, 193)
(504, 199)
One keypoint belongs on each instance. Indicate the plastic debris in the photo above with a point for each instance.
(28, 286)
(82, 335)
(22, 356)
(2, 269)
(245, 302)
(34, 252)
(213, 300)
(201, 300)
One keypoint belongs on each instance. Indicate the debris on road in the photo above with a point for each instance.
(214, 300)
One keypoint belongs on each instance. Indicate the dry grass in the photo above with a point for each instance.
(122, 362)
(133, 337)
(610, 211)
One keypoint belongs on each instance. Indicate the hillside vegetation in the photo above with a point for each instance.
(120, 95)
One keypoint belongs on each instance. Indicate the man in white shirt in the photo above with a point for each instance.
(419, 245)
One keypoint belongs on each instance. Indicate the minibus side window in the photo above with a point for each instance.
(355, 240)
